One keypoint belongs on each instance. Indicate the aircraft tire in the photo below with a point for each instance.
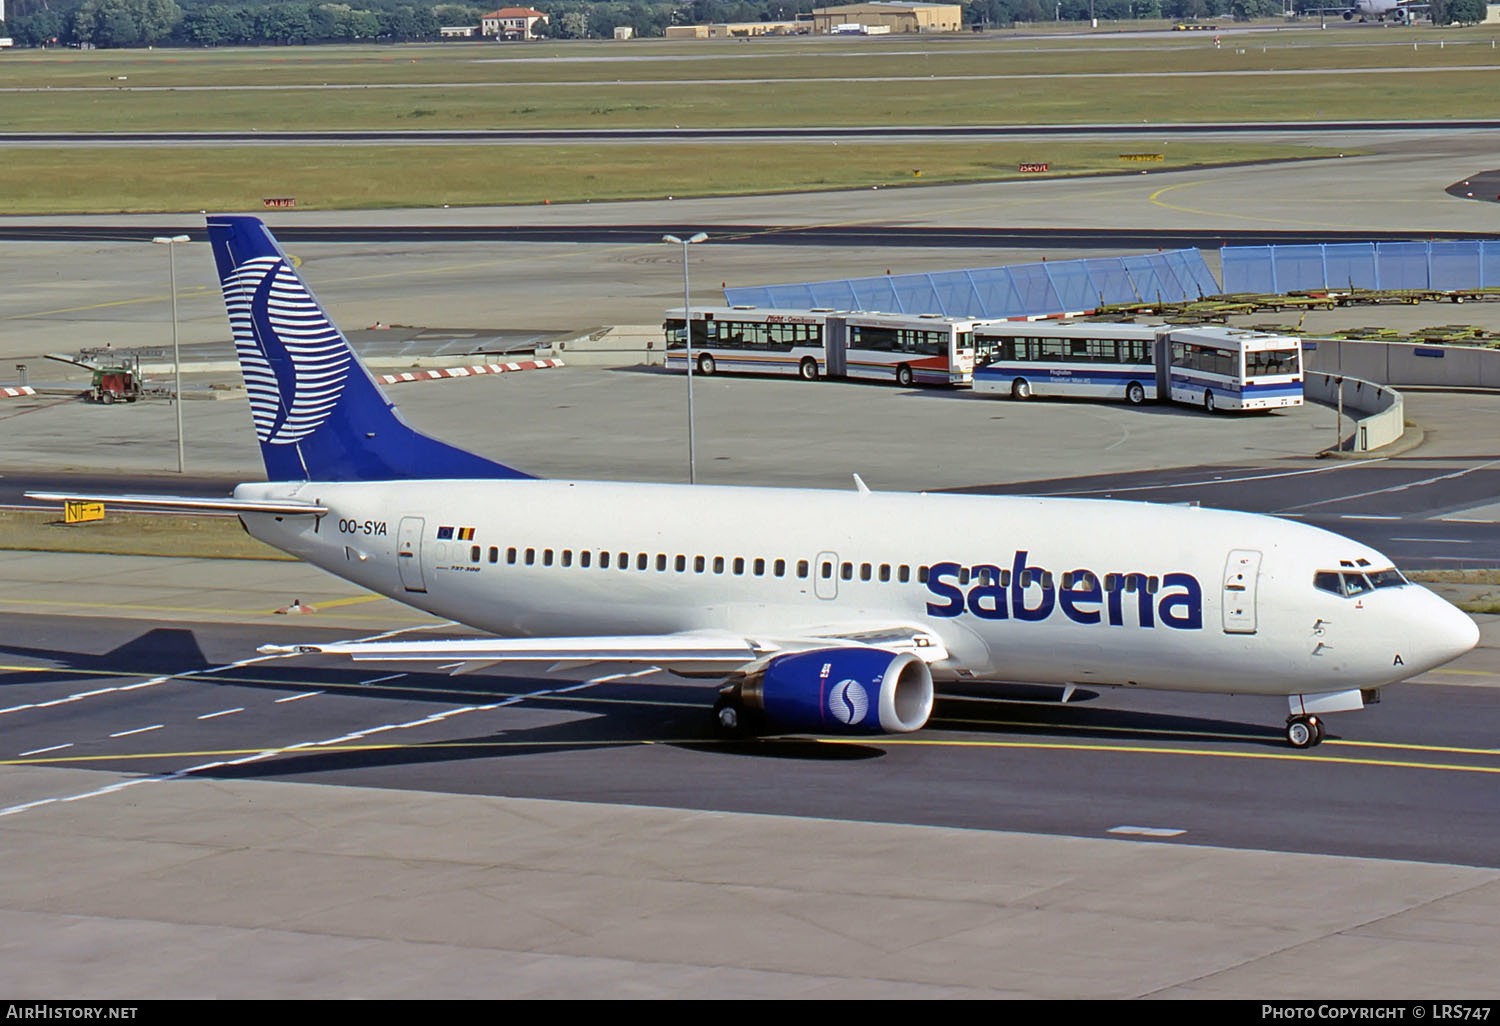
(1303, 731)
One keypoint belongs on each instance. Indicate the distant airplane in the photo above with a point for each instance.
(1399, 11)
(814, 611)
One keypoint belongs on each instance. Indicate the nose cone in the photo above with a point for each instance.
(1439, 634)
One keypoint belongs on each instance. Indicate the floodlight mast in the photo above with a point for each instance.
(687, 334)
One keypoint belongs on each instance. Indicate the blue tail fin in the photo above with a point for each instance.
(318, 413)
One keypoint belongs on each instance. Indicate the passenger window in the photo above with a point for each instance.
(780, 568)
(567, 557)
(661, 561)
(474, 554)
(698, 564)
(586, 558)
(530, 556)
(718, 564)
(760, 568)
(903, 573)
(866, 571)
(922, 572)
(681, 564)
(546, 557)
(510, 556)
(494, 554)
(642, 561)
(739, 565)
(846, 571)
(885, 571)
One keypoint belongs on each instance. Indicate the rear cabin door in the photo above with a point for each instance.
(1241, 573)
(409, 553)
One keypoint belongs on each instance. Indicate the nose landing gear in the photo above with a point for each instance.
(1304, 731)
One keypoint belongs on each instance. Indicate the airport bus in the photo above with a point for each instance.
(1216, 367)
(1234, 368)
(909, 349)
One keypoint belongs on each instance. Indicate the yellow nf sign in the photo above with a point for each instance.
(81, 512)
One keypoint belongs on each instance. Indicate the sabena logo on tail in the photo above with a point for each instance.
(294, 361)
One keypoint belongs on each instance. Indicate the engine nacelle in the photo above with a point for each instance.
(840, 691)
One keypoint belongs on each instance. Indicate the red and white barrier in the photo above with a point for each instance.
(11, 393)
(1051, 316)
(467, 372)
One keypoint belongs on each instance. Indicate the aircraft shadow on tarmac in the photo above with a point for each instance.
(158, 651)
(609, 715)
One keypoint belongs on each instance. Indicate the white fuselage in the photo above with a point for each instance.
(1170, 597)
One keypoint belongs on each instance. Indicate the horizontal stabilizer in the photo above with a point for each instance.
(285, 507)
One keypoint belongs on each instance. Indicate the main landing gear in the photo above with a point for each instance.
(1304, 731)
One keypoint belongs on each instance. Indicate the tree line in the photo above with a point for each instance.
(128, 23)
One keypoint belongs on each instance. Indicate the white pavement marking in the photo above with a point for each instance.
(377, 680)
(1400, 488)
(39, 751)
(221, 712)
(297, 698)
(271, 753)
(1140, 831)
(1205, 482)
(1440, 541)
(139, 730)
(179, 774)
(1365, 516)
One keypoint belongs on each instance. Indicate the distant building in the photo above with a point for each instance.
(624, 32)
(737, 30)
(512, 23)
(893, 16)
(458, 31)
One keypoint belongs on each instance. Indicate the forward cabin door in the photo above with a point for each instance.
(1241, 573)
(409, 554)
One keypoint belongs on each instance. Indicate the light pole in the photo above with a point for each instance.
(687, 335)
(170, 241)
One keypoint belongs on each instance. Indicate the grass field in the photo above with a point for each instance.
(133, 534)
(53, 180)
(1340, 74)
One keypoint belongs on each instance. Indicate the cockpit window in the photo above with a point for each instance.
(1348, 583)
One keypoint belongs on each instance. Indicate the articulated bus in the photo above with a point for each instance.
(1216, 367)
(909, 349)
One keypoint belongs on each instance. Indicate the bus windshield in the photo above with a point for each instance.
(1264, 363)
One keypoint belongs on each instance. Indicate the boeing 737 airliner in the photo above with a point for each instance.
(815, 611)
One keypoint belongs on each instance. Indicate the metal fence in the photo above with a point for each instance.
(1467, 264)
(1020, 290)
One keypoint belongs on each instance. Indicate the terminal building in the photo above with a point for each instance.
(889, 16)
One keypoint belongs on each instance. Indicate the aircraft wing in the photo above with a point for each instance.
(285, 507)
(704, 652)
